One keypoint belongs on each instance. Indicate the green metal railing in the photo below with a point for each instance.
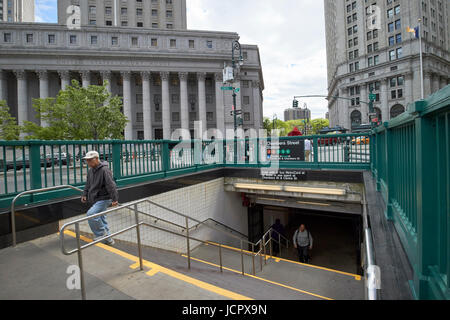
(31, 165)
(411, 164)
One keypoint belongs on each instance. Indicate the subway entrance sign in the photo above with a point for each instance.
(286, 150)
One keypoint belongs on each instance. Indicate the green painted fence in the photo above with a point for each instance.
(30, 165)
(411, 164)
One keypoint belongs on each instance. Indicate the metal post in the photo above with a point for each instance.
(235, 126)
(220, 257)
(242, 259)
(279, 243)
(187, 240)
(270, 245)
(80, 261)
(253, 259)
(264, 247)
(138, 234)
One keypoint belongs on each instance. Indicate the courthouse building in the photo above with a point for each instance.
(168, 76)
(369, 48)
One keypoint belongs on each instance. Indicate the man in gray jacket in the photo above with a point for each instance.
(303, 242)
(100, 192)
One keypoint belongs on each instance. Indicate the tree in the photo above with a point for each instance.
(9, 130)
(267, 125)
(79, 113)
(319, 124)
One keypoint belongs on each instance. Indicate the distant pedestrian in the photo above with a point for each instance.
(278, 230)
(303, 242)
(100, 192)
(308, 148)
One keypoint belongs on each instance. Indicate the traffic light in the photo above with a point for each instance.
(295, 103)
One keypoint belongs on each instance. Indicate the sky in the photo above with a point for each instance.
(290, 35)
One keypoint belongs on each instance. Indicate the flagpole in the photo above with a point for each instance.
(421, 61)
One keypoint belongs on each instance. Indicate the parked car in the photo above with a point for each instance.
(65, 158)
(45, 161)
(361, 140)
(329, 141)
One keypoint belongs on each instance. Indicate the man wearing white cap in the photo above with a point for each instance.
(100, 192)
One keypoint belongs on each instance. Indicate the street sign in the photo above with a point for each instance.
(237, 90)
(237, 112)
(372, 115)
(372, 96)
(226, 88)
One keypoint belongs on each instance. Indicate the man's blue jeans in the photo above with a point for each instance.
(99, 225)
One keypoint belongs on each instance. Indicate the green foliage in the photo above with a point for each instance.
(78, 113)
(9, 130)
(319, 124)
(285, 127)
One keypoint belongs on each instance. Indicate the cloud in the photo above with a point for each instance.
(290, 35)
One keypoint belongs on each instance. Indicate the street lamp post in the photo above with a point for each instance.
(235, 46)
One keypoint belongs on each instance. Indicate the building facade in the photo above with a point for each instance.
(17, 10)
(168, 78)
(297, 114)
(149, 14)
(369, 49)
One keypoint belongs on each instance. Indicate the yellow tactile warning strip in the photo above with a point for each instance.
(277, 259)
(155, 268)
(262, 279)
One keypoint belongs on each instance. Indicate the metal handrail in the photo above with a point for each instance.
(13, 203)
(134, 207)
(372, 276)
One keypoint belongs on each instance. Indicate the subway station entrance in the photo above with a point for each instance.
(336, 237)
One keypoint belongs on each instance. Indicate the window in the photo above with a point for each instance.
(108, 10)
(123, 11)
(140, 135)
(246, 116)
(139, 116)
(398, 24)
(169, 26)
(93, 39)
(209, 98)
(92, 10)
(51, 38)
(210, 116)
(134, 41)
(375, 46)
(191, 44)
(390, 13)
(399, 53)
(391, 41)
(400, 80)
(154, 42)
(398, 38)
(29, 38)
(139, 11)
(158, 116)
(114, 41)
(7, 37)
(169, 14)
(391, 27)
(173, 43)
(92, 22)
(356, 65)
(154, 13)
(73, 39)
(108, 23)
(124, 23)
(370, 61)
(376, 60)
(140, 24)
(397, 10)
(245, 84)
(175, 116)
(175, 98)
(246, 100)
(209, 44)
(369, 35)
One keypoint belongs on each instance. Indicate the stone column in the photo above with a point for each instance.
(126, 76)
(220, 109)
(22, 96)
(202, 101)
(43, 89)
(65, 79)
(165, 105)
(147, 109)
(435, 82)
(364, 106)
(107, 75)
(384, 98)
(443, 82)
(343, 115)
(184, 104)
(409, 97)
(85, 78)
(3, 86)
(256, 106)
(427, 84)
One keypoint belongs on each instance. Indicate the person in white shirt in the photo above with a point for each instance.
(308, 149)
